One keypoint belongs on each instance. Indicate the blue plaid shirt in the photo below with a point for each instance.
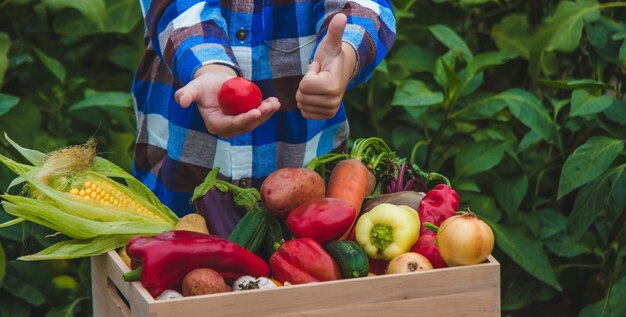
(270, 42)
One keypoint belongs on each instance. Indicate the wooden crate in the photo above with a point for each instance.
(460, 291)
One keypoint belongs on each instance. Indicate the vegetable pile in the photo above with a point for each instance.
(345, 215)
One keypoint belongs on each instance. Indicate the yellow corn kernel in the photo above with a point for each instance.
(74, 191)
(81, 193)
(87, 184)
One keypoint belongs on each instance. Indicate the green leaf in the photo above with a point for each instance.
(483, 61)
(531, 138)
(14, 307)
(616, 112)
(7, 102)
(3, 264)
(530, 111)
(563, 31)
(510, 192)
(552, 222)
(527, 252)
(622, 53)
(67, 310)
(573, 84)
(94, 10)
(414, 93)
(5, 44)
(524, 290)
(444, 72)
(475, 2)
(415, 58)
(483, 206)
(52, 64)
(480, 106)
(595, 198)
(584, 103)
(23, 289)
(104, 99)
(451, 40)
(466, 186)
(513, 34)
(587, 162)
(610, 306)
(478, 157)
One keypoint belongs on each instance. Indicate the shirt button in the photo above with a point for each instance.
(241, 34)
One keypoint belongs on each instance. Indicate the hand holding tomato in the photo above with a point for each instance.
(204, 89)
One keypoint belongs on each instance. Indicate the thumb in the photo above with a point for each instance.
(186, 95)
(313, 69)
(332, 40)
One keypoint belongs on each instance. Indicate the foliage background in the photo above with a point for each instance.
(521, 103)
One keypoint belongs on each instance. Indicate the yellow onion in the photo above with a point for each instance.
(464, 239)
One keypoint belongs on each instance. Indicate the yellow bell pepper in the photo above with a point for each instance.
(387, 230)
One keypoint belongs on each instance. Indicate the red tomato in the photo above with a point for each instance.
(238, 95)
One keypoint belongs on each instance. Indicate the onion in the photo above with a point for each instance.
(408, 262)
(464, 239)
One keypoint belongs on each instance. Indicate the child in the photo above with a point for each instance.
(302, 54)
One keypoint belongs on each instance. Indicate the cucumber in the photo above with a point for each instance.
(251, 230)
(276, 233)
(350, 257)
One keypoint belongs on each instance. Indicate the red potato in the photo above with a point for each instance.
(204, 281)
(238, 95)
(287, 188)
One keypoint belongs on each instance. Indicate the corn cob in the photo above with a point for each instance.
(74, 192)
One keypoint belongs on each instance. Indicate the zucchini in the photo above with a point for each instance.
(276, 233)
(350, 257)
(251, 230)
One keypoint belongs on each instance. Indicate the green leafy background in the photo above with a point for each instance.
(520, 102)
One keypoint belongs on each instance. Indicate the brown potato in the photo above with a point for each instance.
(204, 281)
(287, 188)
(192, 222)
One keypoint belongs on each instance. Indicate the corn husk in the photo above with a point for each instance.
(94, 225)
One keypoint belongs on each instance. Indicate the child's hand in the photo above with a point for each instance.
(203, 90)
(322, 87)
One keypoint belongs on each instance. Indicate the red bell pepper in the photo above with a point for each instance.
(439, 204)
(301, 261)
(166, 258)
(426, 246)
(323, 219)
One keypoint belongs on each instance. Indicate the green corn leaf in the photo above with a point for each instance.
(35, 158)
(70, 225)
(73, 249)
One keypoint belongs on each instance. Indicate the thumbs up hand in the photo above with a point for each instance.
(321, 89)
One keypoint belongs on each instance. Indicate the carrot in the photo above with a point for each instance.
(349, 181)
